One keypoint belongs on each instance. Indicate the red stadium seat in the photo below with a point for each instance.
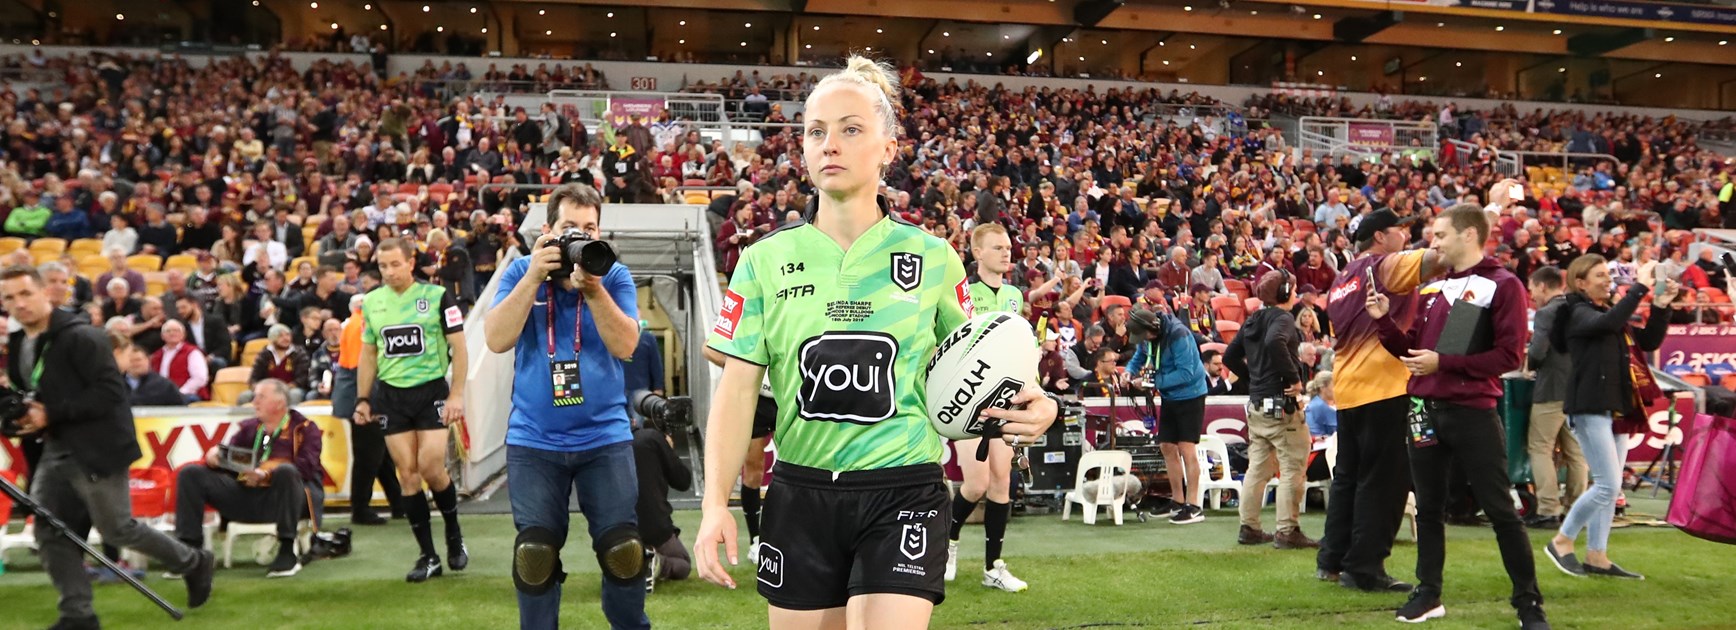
(1251, 304)
(1227, 330)
(1113, 300)
(1228, 307)
(1697, 379)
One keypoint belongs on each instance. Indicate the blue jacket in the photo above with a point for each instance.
(1180, 373)
(68, 225)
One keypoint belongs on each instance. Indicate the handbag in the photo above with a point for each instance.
(1703, 503)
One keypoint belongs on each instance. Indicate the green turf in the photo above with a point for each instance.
(1152, 575)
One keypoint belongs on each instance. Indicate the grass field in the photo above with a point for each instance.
(1152, 575)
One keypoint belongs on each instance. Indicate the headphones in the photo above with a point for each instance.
(1284, 290)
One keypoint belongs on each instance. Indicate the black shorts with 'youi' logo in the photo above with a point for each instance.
(828, 538)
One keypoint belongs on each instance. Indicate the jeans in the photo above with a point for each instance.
(538, 484)
(83, 501)
(1475, 439)
(1549, 431)
(1604, 454)
(1368, 489)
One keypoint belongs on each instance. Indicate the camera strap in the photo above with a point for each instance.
(564, 375)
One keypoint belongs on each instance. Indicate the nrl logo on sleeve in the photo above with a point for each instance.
(906, 270)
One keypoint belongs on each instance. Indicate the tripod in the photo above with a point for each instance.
(1666, 456)
(44, 517)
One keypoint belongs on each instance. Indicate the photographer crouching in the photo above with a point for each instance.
(572, 314)
(660, 469)
(80, 407)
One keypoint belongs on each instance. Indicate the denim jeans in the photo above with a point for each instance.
(1604, 453)
(539, 482)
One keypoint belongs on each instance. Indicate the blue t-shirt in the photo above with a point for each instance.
(1322, 418)
(645, 369)
(535, 421)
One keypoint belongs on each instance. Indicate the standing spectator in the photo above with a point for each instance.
(1549, 431)
(734, 237)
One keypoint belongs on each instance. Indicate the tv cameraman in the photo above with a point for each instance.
(577, 327)
(1265, 350)
(80, 408)
(660, 469)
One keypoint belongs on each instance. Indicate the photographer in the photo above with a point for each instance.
(1265, 351)
(81, 409)
(660, 469)
(572, 329)
(1167, 359)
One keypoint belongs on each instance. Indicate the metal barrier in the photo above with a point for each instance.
(699, 108)
(1505, 162)
(1565, 160)
(1366, 136)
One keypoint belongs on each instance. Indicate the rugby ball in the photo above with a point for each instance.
(982, 364)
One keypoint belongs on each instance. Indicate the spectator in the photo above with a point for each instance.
(1174, 273)
(67, 222)
(182, 363)
(144, 387)
(738, 233)
(118, 270)
(1219, 381)
(1208, 274)
(1327, 214)
(1322, 415)
(282, 361)
(145, 328)
(285, 488)
(323, 359)
(1315, 272)
(208, 330)
(28, 219)
(264, 245)
(119, 300)
(121, 235)
(203, 233)
(452, 269)
(156, 236)
(310, 334)
(337, 243)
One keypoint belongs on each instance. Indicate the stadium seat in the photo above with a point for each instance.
(1105, 463)
(25, 539)
(184, 262)
(11, 244)
(145, 262)
(1239, 288)
(84, 246)
(1228, 307)
(209, 404)
(1215, 475)
(1306, 486)
(92, 265)
(1697, 379)
(252, 350)
(227, 385)
(157, 283)
(1251, 304)
(1213, 346)
(40, 257)
(296, 264)
(1113, 300)
(48, 244)
(1227, 330)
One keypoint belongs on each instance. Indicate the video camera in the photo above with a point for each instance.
(663, 413)
(13, 405)
(577, 247)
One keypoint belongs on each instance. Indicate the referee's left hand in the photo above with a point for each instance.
(1030, 416)
(453, 412)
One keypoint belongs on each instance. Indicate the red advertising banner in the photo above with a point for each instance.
(1369, 134)
(622, 111)
(1698, 348)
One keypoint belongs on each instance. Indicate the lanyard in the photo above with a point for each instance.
(578, 319)
(262, 445)
(41, 359)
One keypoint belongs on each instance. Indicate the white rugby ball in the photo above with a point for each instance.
(982, 364)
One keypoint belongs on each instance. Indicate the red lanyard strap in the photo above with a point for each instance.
(549, 323)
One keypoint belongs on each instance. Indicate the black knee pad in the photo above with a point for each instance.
(536, 561)
(621, 554)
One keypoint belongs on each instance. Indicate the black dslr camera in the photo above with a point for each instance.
(663, 413)
(577, 247)
(13, 405)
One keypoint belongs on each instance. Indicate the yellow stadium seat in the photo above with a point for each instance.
(307, 232)
(296, 264)
(313, 248)
(38, 258)
(157, 283)
(184, 262)
(85, 246)
(10, 244)
(92, 265)
(48, 244)
(227, 385)
(209, 404)
(145, 262)
(251, 351)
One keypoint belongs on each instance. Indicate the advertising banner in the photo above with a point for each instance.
(1369, 134)
(622, 111)
(1692, 348)
(171, 437)
(1649, 11)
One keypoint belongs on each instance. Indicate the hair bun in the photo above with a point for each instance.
(876, 73)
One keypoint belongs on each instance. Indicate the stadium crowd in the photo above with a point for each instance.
(247, 193)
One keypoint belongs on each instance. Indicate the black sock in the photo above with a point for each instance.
(447, 501)
(994, 530)
(416, 510)
(961, 509)
(285, 545)
(750, 509)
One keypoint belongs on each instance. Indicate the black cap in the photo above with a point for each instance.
(1379, 220)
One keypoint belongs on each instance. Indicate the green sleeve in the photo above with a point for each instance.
(740, 329)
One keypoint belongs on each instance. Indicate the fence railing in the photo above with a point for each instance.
(1366, 137)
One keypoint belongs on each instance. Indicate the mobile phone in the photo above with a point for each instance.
(1515, 193)
(1370, 272)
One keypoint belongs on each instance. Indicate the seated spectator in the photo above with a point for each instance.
(145, 329)
(210, 333)
(335, 245)
(27, 220)
(282, 361)
(121, 234)
(1208, 274)
(323, 363)
(1322, 415)
(119, 300)
(156, 236)
(67, 222)
(118, 269)
(1087, 349)
(1219, 381)
(284, 489)
(144, 387)
(1315, 271)
(182, 363)
(264, 245)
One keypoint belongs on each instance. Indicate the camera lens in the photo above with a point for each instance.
(596, 257)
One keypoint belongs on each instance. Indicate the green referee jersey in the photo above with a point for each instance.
(408, 331)
(1006, 299)
(846, 338)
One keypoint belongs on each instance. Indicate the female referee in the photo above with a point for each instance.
(845, 311)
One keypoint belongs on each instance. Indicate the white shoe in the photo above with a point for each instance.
(753, 551)
(951, 560)
(999, 577)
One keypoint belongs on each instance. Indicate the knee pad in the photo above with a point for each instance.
(621, 554)
(536, 561)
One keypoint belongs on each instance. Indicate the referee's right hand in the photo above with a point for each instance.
(543, 259)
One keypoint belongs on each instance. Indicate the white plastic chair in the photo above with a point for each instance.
(1272, 486)
(1215, 477)
(262, 552)
(1106, 463)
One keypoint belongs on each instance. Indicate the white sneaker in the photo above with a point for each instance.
(999, 577)
(951, 560)
(753, 551)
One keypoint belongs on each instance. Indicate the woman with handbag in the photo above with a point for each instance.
(1607, 393)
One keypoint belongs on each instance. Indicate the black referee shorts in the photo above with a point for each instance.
(826, 539)
(415, 408)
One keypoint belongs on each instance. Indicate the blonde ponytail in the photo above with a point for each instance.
(879, 78)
